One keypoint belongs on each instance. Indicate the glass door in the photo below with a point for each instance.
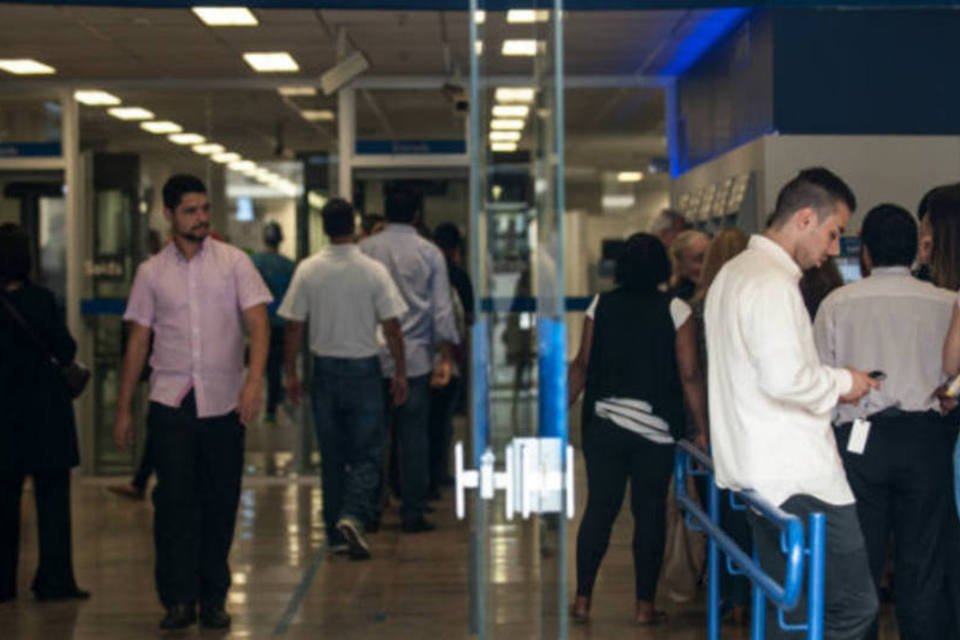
(517, 456)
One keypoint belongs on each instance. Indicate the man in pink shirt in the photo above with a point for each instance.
(196, 295)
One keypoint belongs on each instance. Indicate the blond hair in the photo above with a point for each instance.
(724, 246)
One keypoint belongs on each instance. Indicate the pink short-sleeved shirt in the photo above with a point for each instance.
(194, 308)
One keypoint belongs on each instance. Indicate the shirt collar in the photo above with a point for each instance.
(397, 227)
(777, 253)
(890, 271)
(174, 251)
(340, 250)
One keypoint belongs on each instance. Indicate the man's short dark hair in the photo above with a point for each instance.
(643, 264)
(14, 254)
(815, 188)
(447, 236)
(272, 234)
(177, 186)
(371, 220)
(890, 235)
(337, 218)
(401, 205)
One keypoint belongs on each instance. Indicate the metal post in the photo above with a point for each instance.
(346, 141)
(816, 581)
(713, 563)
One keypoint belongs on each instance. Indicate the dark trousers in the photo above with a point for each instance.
(275, 371)
(950, 596)
(614, 456)
(734, 589)
(410, 445)
(145, 469)
(348, 415)
(199, 466)
(55, 567)
(850, 597)
(443, 403)
(900, 482)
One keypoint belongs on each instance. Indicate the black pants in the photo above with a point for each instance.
(55, 568)
(275, 371)
(850, 598)
(900, 481)
(443, 403)
(614, 456)
(145, 470)
(199, 465)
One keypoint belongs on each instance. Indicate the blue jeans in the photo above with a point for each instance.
(349, 418)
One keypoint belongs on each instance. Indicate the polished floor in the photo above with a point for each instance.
(287, 586)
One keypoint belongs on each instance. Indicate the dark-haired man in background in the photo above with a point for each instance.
(419, 270)
(770, 396)
(197, 295)
(893, 322)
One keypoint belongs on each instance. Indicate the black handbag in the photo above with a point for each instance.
(75, 374)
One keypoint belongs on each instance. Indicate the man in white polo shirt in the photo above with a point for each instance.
(770, 397)
(345, 295)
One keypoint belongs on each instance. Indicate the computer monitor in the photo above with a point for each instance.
(848, 262)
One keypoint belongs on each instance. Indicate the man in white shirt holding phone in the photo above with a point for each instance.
(771, 398)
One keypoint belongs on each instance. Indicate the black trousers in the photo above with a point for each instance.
(145, 469)
(443, 403)
(614, 456)
(199, 465)
(275, 371)
(850, 598)
(51, 489)
(901, 485)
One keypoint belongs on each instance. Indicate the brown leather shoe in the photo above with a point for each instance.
(580, 609)
(646, 615)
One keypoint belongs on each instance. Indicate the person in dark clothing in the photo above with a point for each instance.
(38, 435)
(637, 364)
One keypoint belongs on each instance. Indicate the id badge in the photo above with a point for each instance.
(858, 436)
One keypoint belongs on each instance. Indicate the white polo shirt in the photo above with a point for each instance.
(345, 295)
(770, 397)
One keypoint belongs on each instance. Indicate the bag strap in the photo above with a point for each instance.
(20, 320)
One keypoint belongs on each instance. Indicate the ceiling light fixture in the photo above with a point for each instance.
(131, 113)
(186, 138)
(514, 94)
(510, 111)
(226, 158)
(527, 16)
(507, 125)
(226, 16)
(292, 92)
(96, 98)
(26, 67)
(519, 48)
(318, 115)
(629, 176)
(161, 127)
(503, 147)
(208, 148)
(243, 166)
(480, 16)
(271, 62)
(504, 136)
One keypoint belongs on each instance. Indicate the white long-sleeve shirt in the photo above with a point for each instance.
(770, 397)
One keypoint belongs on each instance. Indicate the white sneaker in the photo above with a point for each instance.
(352, 530)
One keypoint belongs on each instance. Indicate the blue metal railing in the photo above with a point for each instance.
(691, 461)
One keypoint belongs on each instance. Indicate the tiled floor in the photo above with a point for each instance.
(416, 586)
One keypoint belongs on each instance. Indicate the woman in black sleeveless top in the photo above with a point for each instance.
(637, 364)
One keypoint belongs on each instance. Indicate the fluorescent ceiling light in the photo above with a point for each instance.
(291, 92)
(480, 16)
(186, 138)
(271, 62)
(226, 158)
(161, 126)
(618, 201)
(243, 165)
(318, 115)
(94, 98)
(226, 16)
(519, 48)
(629, 176)
(478, 47)
(507, 125)
(527, 16)
(504, 147)
(510, 111)
(504, 136)
(131, 113)
(514, 94)
(25, 67)
(208, 148)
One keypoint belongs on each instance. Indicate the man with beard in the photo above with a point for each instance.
(197, 295)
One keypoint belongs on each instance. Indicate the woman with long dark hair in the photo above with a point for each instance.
(637, 364)
(38, 436)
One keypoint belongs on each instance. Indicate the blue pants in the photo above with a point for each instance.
(410, 426)
(349, 419)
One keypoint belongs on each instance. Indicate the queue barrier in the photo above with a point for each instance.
(804, 551)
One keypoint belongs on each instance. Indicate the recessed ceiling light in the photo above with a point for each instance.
(629, 176)
(271, 62)
(504, 147)
(208, 148)
(26, 67)
(478, 47)
(507, 125)
(297, 91)
(131, 113)
(94, 98)
(318, 115)
(510, 111)
(161, 126)
(226, 16)
(480, 16)
(226, 158)
(519, 48)
(527, 16)
(186, 138)
(504, 136)
(514, 94)
(243, 165)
